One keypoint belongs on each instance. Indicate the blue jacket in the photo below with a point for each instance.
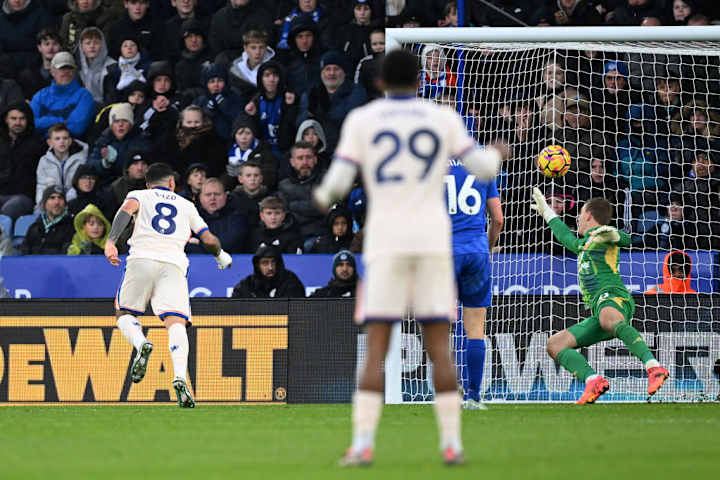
(71, 104)
(229, 225)
(643, 162)
(132, 141)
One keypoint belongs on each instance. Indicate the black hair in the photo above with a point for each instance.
(157, 172)
(399, 69)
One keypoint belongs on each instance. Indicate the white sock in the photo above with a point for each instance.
(131, 330)
(591, 377)
(447, 413)
(651, 364)
(179, 348)
(367, 406)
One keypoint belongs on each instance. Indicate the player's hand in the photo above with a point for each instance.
(540, 205)
(224, 260)
(111, 254)
(605, 234)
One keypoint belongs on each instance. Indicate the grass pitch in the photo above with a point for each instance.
(630, 441)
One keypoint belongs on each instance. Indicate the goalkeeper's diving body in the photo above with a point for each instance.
(609, 301)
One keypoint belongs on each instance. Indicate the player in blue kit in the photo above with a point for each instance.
(469, 204)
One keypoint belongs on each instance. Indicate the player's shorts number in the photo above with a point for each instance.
(415, 145)
(460, 199)
(163, 222)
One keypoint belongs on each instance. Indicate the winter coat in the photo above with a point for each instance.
(18, 31)
(244, 80)
(145, 30)
(229, 24)
(248, 204)
(172, 32)
(51, 240)
(582, 14)
(75, 21)
(51, 171)
(297, 194)
(19, 159)
(366, 74)
(643, 162)
(93, 76)
(303, 68)
(286, 237)
(10, 92)
(223, 113)
(284, 284)
(229, 225)
(331, 110)
(34, 77)
(70, 104)
(118, 190)
(110, 171)
(634, 15)
(203, 145)
(84, 199)
(353, 40)
(188, 72)
(337, 288)
(329, 243)
(703, 193)
(82, 244)
(671, 284)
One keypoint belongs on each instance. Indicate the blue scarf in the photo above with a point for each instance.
(283, 43)
(270, 113)
(236, 155)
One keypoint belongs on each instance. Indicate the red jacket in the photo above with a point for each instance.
(670, 284)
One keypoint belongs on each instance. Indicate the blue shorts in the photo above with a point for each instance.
(473, 275)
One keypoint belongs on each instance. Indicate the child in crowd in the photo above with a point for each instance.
(59, 164)
(91, 232)
(247, 146)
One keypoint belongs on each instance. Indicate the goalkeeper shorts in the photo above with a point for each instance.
(589, 332)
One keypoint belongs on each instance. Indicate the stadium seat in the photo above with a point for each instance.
(21, 227)
(6, 225)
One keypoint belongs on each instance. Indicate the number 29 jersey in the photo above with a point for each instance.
(402, 145)
(163, 225)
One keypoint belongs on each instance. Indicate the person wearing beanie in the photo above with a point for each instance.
(247, 146)
(195, 53)
(194, 177)
(134, 94)
(270, 278)
(172, 30)
(303, 57)
(339, 235)
(51, 233)
(110, 149)
(133, 66)
(344, 280)
(87, 188)
(331, 101)
(219, 102)
(134, 169)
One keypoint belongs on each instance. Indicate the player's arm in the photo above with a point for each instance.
(120, 223)
(336, 184)
(561, 231)
(608, 234)
(212, 245)
(496, 220)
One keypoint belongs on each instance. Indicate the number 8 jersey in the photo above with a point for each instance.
(163, 225)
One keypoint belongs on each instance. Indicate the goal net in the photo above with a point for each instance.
(642, 125)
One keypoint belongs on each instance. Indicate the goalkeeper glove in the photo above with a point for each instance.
(223, 259)
(604, 234)
(541, 206)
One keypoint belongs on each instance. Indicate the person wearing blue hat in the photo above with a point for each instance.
(344, 280)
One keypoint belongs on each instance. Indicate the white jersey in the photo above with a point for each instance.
(402, 145)
(163, 225)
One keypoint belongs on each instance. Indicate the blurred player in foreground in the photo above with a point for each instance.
(402, 146)
(609, 301)
(156, 269)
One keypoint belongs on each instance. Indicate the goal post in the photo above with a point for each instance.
(639, 111)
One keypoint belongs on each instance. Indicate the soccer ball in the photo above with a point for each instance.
(554, 161)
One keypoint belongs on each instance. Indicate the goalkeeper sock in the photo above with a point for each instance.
(633, 341)
(447, 413)
(131, 330)
(178, 343)
(475, 365)
(572, 361)
(367, 406)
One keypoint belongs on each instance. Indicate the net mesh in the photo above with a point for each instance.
(641, 124)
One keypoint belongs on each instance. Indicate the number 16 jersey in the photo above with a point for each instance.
(163, 225)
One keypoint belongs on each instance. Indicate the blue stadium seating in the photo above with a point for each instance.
(21, 227)
(6, 225)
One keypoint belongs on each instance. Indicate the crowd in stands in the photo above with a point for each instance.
(245, 99)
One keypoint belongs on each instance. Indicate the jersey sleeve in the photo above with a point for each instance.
(492, 190)
(133, 195)
(349, 148)
(625, 240)
(564, 235)
(197, 224)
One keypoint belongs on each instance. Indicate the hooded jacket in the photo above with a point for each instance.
(51, 171)
(48, 239)
(70, 104)
(284, 284)
(260, 152)
(330, 243)
(297, 194)
(18, 30)
(75, 21)
(93, 75)
(132, 141)
(286, 237)
(82, 244)
(83, 199)
(671, 284)
(221, 107)
(303, 68)
(145, 30)
(19, 158)
(338, 287)
(230, 23)
(188, 69)
(323, 155)
(434, 81)
(244, 79)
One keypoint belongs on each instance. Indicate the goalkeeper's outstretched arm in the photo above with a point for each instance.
(561, 231)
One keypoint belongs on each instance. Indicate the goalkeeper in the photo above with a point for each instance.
(610, 303)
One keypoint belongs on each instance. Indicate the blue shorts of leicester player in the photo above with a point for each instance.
(473, 274)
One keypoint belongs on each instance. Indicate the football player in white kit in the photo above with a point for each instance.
(402, 145)
(156, 269)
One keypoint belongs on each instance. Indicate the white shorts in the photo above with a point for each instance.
(164, 284)
(421, 285)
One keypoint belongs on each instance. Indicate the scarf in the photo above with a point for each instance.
(236, 156)
(283, 43)
(48, 224)
(433, 87)
(129, 72)
(186, 135)
(270, 113)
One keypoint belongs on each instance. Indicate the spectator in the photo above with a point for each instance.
(667, 101)
(87, 188)
(480, 15)
(20, 151)
(232, 21)
(353, 39)
(229, 225)
(668, 227)
(344, 280)
(602, 184)
(109, 152)
(435, 76)
(185, 10)
(10, 92)
(693, 125)
(134, 94)
(633, 12)
(161, 81)
(331, 101)
(249, 192)
(568, 13)
(133, 66)
(312, 132)
(135, 22)
(701, 187)
(195, 53)
(270, 278)
(309, 9)
(303, 58)
(95, 65)
(449, 15)
(677, 270)
(244, 70)
(83, 14)
(276, 227)
(219, 102)
(339, 233)
(53, 230)
(366, 73)
(274, 107)
(195, 139)
(20, 22)
(59, 164)
(64, 101)
(553, 83)
(133, 178)
(36, 75)
(195, 176)
(91, 231)
(610, 104)
(682, 10)
(248, 147)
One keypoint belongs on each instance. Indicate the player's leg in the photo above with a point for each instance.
(179, 349)
(615, 321)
